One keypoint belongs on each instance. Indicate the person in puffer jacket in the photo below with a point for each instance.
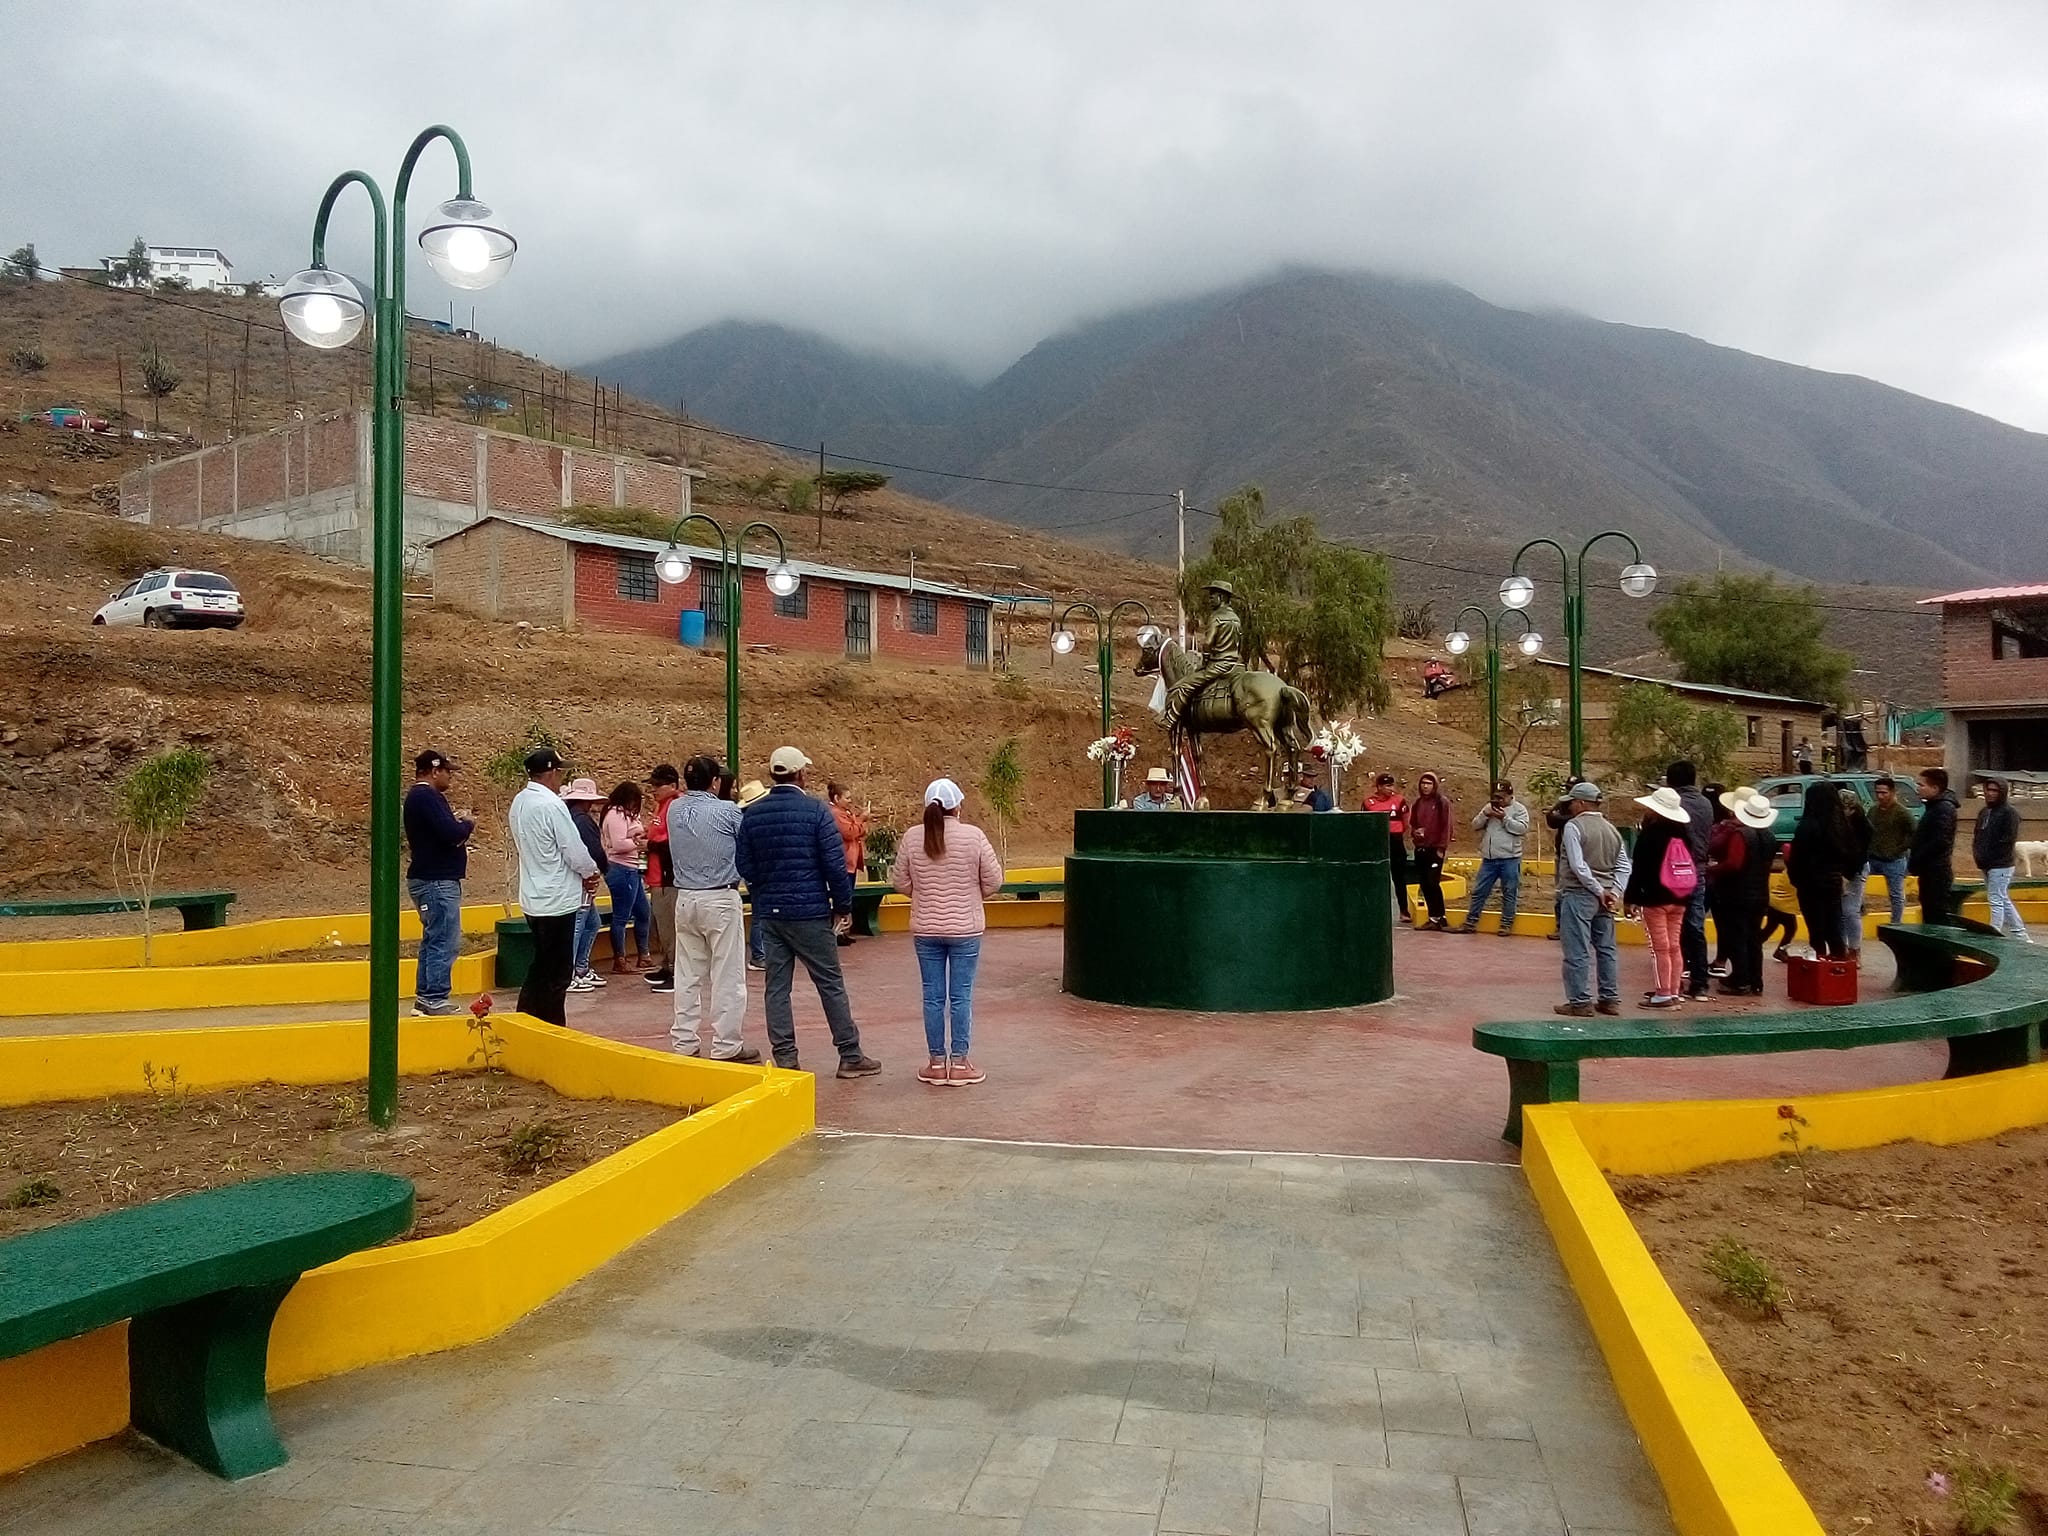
(793, 861)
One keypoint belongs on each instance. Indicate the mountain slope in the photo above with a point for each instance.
(1394, 409)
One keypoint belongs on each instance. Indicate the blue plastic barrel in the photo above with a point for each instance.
(690, 627)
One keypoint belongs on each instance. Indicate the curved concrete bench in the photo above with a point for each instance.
(1986, 996)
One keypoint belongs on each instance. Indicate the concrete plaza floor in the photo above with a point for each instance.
(901, 1337)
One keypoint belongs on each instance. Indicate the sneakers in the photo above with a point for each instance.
(788, 1064)
(757, 969)
(1573, 1010)
(1661, 1000)
(432, 1010)
(585, 982)
(1721, 970)
(935, 1072)
(1464, 928)
(859, 1066)
(1436, 925)
(661, 980)
(965, 1072)
(745, 1056)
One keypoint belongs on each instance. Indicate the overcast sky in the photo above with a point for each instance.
(1852, 184)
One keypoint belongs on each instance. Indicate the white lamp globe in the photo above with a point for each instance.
(1063, 641)
(672, 565)
(1639, 580)
(323, 309)
(1517, 592)
(783, 579)
(1457, 642)
(1530, 643)
(465, 247)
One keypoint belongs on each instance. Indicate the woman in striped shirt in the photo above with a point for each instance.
(947, 874)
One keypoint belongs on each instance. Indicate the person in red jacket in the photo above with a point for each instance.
(1429, 824)
(1387, 800)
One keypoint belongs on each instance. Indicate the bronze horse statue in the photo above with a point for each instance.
(1274, 711)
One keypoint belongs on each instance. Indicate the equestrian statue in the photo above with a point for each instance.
(1213, 692)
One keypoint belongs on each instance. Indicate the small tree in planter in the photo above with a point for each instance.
(154, 801)
(882, 845)
(1002, 785)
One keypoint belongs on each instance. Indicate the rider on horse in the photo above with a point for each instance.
(1222, 655)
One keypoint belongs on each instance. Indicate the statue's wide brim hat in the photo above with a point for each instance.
(1221, 586)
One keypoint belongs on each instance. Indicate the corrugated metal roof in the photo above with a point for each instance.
(568, 533)
(1684, 687)
(1990, 594)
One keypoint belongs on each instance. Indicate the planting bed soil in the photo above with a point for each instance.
(408, 949)
(1908, 1359)
(470, 1142)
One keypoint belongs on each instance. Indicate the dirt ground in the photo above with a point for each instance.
(282, 708)
(1910, 1347)
(455, 1141)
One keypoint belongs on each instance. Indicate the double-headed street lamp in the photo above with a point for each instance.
(1518, 591)
(327, 309)
(672, 566)
(1063, 641)
(1459, 641)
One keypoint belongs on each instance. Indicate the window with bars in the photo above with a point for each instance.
(795, 606)
(711, 599)
(637, 581)
(924, 615)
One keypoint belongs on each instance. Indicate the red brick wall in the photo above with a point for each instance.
(590, 484)
(174, 493)
(822, 630)
(440, 460)
(330, 454)
(263, 468)
(1971, 671)
(655, 487)
(524, 475)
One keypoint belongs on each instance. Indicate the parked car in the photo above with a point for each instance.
(1788, 795)
(175, 597)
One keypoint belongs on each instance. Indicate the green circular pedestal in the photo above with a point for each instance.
(1229, 911)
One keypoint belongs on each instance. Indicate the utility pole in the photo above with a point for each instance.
(1180, 559)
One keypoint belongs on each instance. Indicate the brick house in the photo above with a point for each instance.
(308, 485)
(1773, 725)
(1994, 680)
(508, 567)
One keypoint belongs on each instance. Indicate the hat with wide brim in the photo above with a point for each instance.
(583, 792)
(1220, 586)
(1753, 809)
(1665, 802)
(749, 792)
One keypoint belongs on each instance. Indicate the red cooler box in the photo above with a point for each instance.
(1820, 981)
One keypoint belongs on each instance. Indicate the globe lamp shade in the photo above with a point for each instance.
(1151, 636)
(672, 565)
(465, 247)
(1639, 580)
(1063, 641)
(1457, 642)
(783, 580)
(323, 309)
(1517, 592)
(1530, 643)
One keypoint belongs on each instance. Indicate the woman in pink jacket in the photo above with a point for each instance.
(947, 874)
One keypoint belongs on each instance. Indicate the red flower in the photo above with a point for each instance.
(1787, 1112)
(482, 1006)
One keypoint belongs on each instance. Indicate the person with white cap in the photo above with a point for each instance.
(790, 854)
(1593, 871)
(710, 971)
(1661, 883)
(556, 873)
(947, 874)
(1158, 794)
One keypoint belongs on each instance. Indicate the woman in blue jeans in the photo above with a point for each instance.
(625, 849)
(947, 874)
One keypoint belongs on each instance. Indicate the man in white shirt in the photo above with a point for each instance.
(555, 871)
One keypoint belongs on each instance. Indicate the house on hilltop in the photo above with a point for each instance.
(202, 266)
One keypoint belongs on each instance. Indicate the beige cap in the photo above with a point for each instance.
(788, 760)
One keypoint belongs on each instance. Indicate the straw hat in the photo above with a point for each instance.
(583, 791)
(749, 792)
(1665, 802)
(1158, 776)
(1751, 808)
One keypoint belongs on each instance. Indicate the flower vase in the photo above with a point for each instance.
(1336, 785)
(1116, 780)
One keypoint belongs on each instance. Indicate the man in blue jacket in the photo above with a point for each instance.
(439, 839)
(794, 863)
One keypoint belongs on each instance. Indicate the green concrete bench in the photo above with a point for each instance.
(199, 909)
(868, 894)
(1990, 1023)
(200, 1277)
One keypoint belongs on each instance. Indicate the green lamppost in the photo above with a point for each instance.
(1063, 642)
(672, 566)
(327, 309)
(1459, 641)
(1518, 591)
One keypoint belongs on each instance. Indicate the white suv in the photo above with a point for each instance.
(175, 597)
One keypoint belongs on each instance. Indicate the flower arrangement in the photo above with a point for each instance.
(1120, 746)
(1337, 744)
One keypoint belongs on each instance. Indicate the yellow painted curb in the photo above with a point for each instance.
(296, 982)
(235, 941)
(415, 1297)
(1720, 1476)
(1048, 911)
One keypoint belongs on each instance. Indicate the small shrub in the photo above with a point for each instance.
(882, 845)
(1987, 1498)
(533, 1146)
(348, 1109)
(1744, 1277)
(164, 1089)
(1418, 621)
(35, 1192)
(28, 359)
(1011, 685)
(489, 1053)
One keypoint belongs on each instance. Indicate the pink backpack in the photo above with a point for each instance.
(1679, 875)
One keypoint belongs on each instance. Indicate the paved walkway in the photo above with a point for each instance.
(1397, 1080)
(909, 1338)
